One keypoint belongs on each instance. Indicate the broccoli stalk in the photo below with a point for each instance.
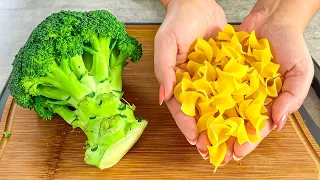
(72, 66)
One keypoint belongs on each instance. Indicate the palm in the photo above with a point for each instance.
(290, 51)
(185, 21)
(184, 24)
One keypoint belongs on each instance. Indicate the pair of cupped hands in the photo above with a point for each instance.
(187, 20)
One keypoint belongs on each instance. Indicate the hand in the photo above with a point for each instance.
(184, 22)
(290, 51)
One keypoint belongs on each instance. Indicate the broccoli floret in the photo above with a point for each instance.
(71, 65)
(6, 134)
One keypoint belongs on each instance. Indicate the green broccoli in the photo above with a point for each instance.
(6, 134)
(71, 65)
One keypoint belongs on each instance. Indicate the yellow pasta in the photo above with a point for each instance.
(204, 47)
(230, 79)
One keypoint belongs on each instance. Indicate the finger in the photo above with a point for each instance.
(186, 124)
(230, 149)
(182, 67)
(295, 89)
(247, 27)
(242, 150)
(165, 52)
(202, 143)
(252, 22)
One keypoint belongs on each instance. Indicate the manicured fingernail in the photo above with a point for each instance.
(274, 127)
(205, 157)
(236, 158)
(202, 153)
(282, 122)
(224, 163)
(192, 142)
(161, 94)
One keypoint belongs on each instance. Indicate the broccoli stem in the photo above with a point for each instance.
(117, 62)
(100, 65)
(116, 77)
(64, 65)
(89, 50)
(69, 102)
(79, 69)
(88, 81)
(104, 131)
(53, 93)
(117, 58)
(48, 80)
(121, 59)
(109, 105)
(105, 124)
(63, 111)
(116, 151)
(87, 109)
(78, 66)
(68, 82)
(87, 59)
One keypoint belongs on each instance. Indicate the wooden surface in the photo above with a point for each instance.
(39, 149)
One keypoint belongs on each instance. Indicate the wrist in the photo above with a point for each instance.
(208, 3)
(296, 14)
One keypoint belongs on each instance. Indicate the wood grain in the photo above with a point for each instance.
(39, 149)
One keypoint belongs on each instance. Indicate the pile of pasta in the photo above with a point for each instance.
(228, 82)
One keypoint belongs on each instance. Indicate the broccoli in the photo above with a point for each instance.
(6, 134)
(71, 65)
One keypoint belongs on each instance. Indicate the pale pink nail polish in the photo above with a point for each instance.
(161, 94)
(202, 153)
(192, 142)
(236, 158)
(282, 122)
(223, 164)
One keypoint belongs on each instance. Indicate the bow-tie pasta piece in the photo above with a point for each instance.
(242, 36)
(202, 122)
(197, 57)
(273, 86)
(217, 155)
(205, 48)
(189, 100)
(226, 34)
(215, 49)
(206, 107)
(193, 67)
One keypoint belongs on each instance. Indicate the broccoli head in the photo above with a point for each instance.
(71, 65)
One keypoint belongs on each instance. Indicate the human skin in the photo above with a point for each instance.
(282, 22)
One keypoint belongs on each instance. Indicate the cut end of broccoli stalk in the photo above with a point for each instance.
(117, 151)
(113, 155)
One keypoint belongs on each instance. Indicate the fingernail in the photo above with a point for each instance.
(236, 158)
(205, 157)
(274, 127)
(192, 142)
(224, 163)
(282, 122)
(161, 94)
(202, 153)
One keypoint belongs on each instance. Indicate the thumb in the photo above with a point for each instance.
(165, 53)
(295, 88)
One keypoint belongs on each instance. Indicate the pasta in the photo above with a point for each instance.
(228, 82)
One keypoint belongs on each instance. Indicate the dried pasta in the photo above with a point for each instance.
(228, 81)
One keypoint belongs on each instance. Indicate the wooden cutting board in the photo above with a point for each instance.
(39, 149)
